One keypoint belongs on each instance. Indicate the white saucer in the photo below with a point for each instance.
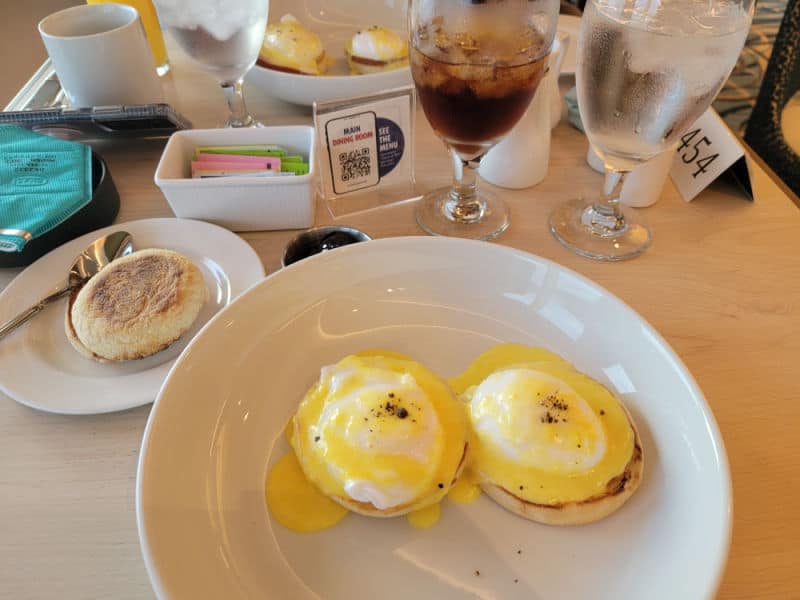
(39, 367)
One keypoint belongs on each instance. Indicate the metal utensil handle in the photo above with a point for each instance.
(24, 316)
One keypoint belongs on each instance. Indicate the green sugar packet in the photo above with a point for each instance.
(255, 150)
(294, 164)
(43, 182)
(298, 168)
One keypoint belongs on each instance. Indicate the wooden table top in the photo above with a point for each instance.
(721, 283)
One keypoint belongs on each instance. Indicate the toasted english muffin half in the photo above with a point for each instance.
(70, 330)
(618, 490)
(368, 509)
(319, 67)
(136, 306)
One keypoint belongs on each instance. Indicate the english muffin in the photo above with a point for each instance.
(136, 306)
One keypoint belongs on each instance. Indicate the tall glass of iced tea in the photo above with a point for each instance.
(476, 65)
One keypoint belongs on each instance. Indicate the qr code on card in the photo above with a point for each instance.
(355, 164)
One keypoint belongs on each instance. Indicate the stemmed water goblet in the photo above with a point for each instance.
(223, 36)
(647, 70)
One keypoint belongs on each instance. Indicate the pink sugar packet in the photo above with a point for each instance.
(232, 167)
(267, 162)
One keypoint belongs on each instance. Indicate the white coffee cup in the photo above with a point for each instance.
(101, 56)
(643, 185)
(522, 157)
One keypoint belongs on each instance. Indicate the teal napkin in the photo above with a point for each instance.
(573, 114)
(43, 182)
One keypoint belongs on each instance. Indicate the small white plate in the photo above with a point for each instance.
(217, 425)
(571, 25)
(39, 367)
(335, 22)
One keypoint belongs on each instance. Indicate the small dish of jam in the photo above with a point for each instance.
(320, 239)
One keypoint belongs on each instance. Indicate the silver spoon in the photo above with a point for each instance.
(96, 256)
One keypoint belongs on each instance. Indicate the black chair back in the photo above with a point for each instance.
(764, 133)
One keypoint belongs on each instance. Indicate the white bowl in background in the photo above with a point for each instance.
(240, 203)
(335, 23)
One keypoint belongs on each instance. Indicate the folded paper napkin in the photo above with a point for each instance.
(573, 114)
(43, 182)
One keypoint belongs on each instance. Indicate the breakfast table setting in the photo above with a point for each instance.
(145, 477)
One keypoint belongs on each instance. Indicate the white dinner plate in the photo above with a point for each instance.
(571, 25)
(39, 367)
(217, 425)
(335, 22)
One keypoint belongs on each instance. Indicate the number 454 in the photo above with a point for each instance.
(693, 151)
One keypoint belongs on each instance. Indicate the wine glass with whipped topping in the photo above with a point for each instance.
(476, 65)
(647, 70)
(224, 36)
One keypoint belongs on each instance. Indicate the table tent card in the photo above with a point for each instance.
(706, 151)
(366, 150)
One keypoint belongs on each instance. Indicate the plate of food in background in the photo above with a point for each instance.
(109, 346)
(319, 51)
(432, 418)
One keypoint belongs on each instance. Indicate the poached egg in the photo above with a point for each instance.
(543, 431)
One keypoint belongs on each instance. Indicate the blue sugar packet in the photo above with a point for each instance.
(43, 182)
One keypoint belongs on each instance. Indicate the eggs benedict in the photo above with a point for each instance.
(550, 443)
(289, 46)
(376, 49)
(380, 435)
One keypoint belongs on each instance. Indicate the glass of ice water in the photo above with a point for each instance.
(647, 70)
(224, 36)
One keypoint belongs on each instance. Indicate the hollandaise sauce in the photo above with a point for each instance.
(465, 490)
(295, 503)
(425, 517)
